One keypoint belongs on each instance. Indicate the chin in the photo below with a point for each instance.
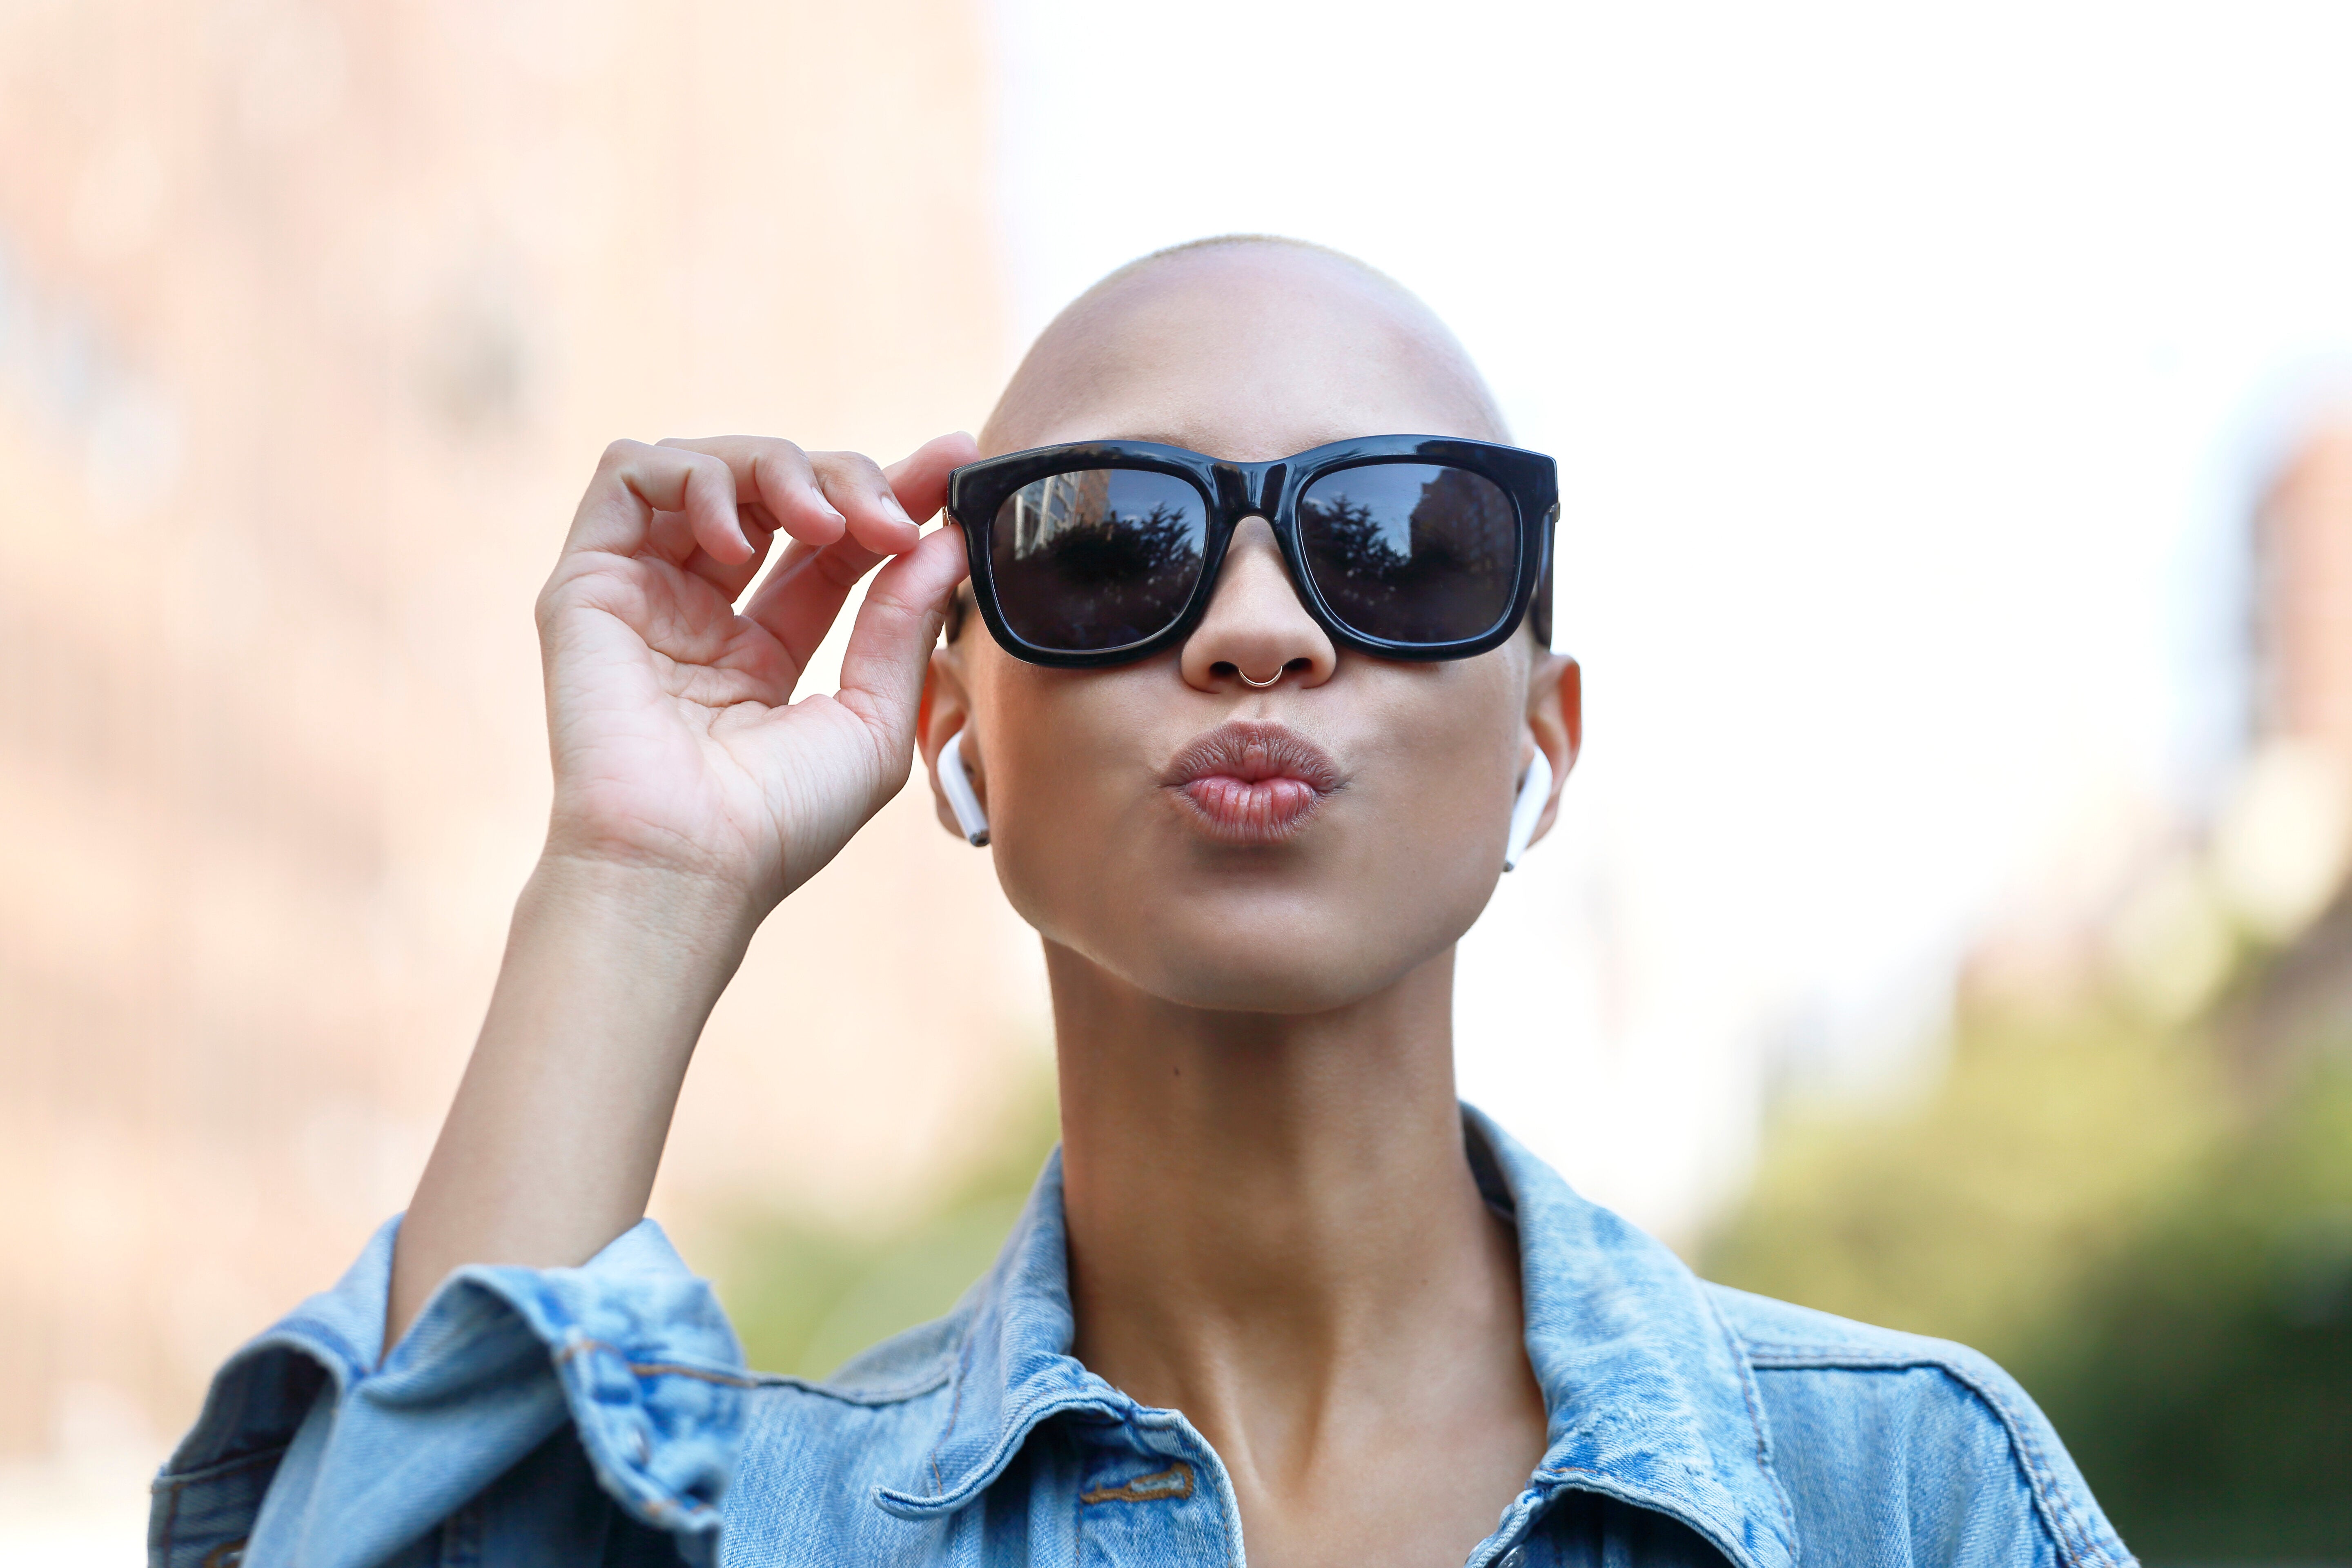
(1300, 931)
(1278, 960)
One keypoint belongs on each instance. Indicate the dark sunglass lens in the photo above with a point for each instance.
(1097, 558)
(1412, 552)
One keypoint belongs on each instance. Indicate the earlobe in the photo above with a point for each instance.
(943, 707)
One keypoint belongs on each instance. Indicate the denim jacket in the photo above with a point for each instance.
(603, 1414)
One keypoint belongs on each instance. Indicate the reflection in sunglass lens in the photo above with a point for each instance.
(1414, 552)
(1097, 558)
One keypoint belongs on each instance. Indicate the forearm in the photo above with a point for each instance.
(550, 1148)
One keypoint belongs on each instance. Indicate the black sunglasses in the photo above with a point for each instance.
(1418, 547)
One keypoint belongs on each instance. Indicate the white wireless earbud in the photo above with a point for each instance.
(961, 801)
(1534, 790)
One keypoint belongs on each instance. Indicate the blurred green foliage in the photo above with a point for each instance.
(806, 1295)
(2159, 1252)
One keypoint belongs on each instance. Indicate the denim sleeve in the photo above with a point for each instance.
(588, 1415)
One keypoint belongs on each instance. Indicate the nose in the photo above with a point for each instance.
(1256, 632)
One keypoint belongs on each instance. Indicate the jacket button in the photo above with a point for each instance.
(1514, 1558)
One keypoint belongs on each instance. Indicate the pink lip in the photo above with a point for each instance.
(1251, 782)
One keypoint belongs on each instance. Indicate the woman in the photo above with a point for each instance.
(1276, 1286)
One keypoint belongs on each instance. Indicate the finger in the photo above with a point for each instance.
(854, 482)
(787, 482)
(731, 578)
(890, 645)
(634, 481)
(613, 514)
(920, 479)
(800, 599)
(777, 474)
(671, 537)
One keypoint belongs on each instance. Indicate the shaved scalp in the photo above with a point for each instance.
(1275, 242)
(1095, 340)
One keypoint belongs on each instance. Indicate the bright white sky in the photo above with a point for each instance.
(1904, 368)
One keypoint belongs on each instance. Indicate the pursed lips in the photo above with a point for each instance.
(1251, 782)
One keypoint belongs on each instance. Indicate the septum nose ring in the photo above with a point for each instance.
(1275, 679)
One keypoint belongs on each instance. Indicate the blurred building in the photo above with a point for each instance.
(2303, 553)
(2164, 904)
(313, 319)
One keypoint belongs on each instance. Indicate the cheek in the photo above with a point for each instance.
(1067, 777)
(1425, 828)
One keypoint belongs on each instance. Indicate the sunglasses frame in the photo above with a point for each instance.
(1235, 491)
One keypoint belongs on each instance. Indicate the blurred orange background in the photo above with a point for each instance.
(315, 320)
(1948, 917)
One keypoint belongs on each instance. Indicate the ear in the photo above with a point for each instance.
(946, 707)
(1555, 719)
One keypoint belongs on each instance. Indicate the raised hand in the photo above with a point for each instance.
(677, 743)
(691, 792)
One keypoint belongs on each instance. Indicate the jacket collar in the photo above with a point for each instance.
(1650, 1398)
(1011, 1366)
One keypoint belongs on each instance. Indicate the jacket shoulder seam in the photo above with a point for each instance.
(896, 1393)
(1830, 1354)
(2075, 1539)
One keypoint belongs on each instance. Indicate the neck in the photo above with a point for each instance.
(1272, 1218)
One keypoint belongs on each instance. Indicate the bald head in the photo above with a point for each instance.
(1246, 347)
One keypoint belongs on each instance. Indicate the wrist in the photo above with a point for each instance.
(690, 925)
(621, 853)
